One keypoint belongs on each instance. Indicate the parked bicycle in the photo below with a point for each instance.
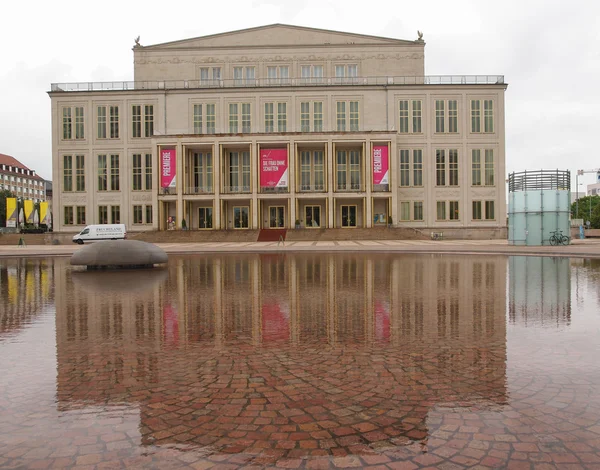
(557, 238)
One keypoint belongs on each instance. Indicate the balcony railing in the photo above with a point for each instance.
(267, 190)
(348, 186)
(167, 191)
(307, 188)
(381, 188)
(236, 189)
(199, 190)
(270, 82)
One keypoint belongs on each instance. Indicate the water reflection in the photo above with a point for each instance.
(268, 359)
(269, 344)
(26, 286)
(540, 291)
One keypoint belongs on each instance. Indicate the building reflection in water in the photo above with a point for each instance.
(216, 348)
(26, 287)
(540, 291)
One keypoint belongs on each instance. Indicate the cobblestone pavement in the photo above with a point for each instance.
(321, 361)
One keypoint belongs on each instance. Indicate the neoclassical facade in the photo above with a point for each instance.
(280, 126)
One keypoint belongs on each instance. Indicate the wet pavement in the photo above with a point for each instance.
(302, 361)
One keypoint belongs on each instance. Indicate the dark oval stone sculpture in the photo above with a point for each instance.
(119, 254)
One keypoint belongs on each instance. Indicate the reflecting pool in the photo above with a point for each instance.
(302, 361)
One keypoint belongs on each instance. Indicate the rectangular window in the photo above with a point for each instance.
(67, 124)
(454, 214)
(404, 167)
(341, 116)
(115, 214)
(203, 172)
(439, 115)
(233, 118)
(453, 167)
(403, 122)
(354, 116)
(489, 210)
(68, 215)
(452, 116)
(68, 173)
(136, 120)
(488, 116)
(305, 117)
(102, 214)
(475, 116)
(80, 215)
(102, 122)
(114, 174)
(417, 167)
(137, 215)
(405, 210)
(318, 116)
(440, 167)
(269, 118)
(197, 119)
(311, 170)
(114, 122)
(148, 214)
(79, 173)
(282, 117)
(418, 210)
(489, 167)
(246, 120)
(148, 120)
(410, 116)
(137, 172)
(211, 118)
(417, 116)
(79, 123)
(441, 210)
(476, 210)
(446, 116)
(148, 171)
(102, 173)
(476, 167)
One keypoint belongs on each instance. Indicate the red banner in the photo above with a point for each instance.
(275, 321)
(168, 165)
(273, 168)
(380, 164)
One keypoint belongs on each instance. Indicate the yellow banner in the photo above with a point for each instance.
(28, 208)
(44, 213)
(11, 211)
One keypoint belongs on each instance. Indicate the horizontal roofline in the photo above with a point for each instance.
(276, 83)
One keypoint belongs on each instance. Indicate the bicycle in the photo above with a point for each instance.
(557, 238)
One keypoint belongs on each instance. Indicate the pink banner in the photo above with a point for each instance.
(170, 325)
(168, 164)
(380, 164)
(382, 320)
(273, 168)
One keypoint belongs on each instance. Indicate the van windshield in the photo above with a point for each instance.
(84, 231)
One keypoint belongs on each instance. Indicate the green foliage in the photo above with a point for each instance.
(587, 205)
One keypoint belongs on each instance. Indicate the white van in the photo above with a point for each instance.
(94, 233)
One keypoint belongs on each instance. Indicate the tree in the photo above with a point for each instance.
(587, 205)
(595, 219)
(4, 193)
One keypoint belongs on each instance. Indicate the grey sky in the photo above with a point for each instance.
(548, 51)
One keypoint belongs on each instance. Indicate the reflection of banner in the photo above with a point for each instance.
(273, 168)
(44, 213)
(170, 325)
(275, 321)
(382, 320)
(11, 211)
(168, 164)
(12, 287)
(380, 164)
(28, 207)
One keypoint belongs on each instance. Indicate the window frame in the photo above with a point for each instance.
(413, 114)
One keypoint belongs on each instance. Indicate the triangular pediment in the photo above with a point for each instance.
(277, 35)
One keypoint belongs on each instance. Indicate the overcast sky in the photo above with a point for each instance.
(548, 51)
